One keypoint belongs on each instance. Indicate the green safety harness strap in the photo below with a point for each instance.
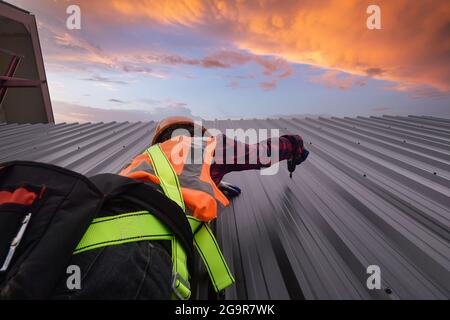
(168, 179)
(212, 257)
(204, 239)
(123, 228)
(142, 225)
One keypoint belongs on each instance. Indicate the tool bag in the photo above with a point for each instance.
(44, 212)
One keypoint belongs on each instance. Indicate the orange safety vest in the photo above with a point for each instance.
(191, 159)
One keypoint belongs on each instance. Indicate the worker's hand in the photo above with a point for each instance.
(299, 153)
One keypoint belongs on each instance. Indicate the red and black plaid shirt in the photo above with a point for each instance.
(240, 160)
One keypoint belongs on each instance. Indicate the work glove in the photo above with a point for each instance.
(229, 190)
(299, 153)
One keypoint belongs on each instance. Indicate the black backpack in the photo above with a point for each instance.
(45, 211)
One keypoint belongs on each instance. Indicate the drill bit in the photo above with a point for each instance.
(291, 167)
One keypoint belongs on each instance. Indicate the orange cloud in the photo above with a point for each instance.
(268, 85)
(273, 68)
(413, 47)
(332, 79)
(73, 49)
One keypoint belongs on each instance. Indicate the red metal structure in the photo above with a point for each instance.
(9, 81)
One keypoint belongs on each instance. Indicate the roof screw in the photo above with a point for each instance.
(364, 175)
(434, 173)
(359, 143)
(310, 142)
(388, 290)
(404, 141)
(79, 148)
(124, 147)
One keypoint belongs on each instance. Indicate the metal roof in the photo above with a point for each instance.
(374, 191)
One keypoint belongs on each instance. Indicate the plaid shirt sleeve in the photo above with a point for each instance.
(232, 155)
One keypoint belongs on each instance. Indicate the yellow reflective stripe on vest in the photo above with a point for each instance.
(167, 176)
(123, 228)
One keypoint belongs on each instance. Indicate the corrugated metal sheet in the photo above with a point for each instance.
(374, 191)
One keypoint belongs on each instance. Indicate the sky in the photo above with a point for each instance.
(142, 59)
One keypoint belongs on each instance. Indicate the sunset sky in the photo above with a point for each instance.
(143, 59)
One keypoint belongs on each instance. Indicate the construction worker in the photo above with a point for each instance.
(140, 244)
